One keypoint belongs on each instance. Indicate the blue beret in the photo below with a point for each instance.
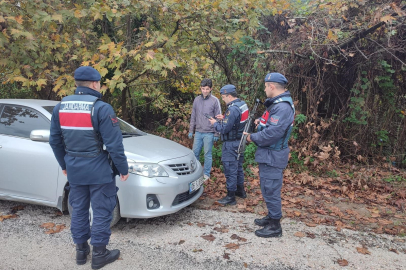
(227, 89)
(86, 73)
(276, 77)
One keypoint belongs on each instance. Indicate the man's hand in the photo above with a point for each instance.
(64, 172)
(190, 135)
(248, 137)
(212, 121)
(220, 117)
(256, 122)
(124, 177)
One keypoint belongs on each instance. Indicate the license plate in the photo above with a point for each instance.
(195, 185)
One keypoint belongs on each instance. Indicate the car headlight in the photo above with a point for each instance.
(146, 169)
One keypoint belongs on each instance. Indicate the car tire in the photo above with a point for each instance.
(116, 213)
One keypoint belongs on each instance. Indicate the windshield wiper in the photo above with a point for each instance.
(129, 134)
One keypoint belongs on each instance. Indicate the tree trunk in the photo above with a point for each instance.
(124, 109)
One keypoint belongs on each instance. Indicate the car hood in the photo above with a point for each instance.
(151, 148)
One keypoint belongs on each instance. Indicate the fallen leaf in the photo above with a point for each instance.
(221, 230)
(8, 217)
(300, 234)
(363, 250)
(181, 242)
(48, 225)
(236, 237)
(342, 262)
(394, 250)
(201, 225)
(311, 224)
(245, 265)
(232, 246)
(57, 229)
(387, 18)
(226, 256)
(241, 206)
(197, 250)
(209, 237)
(311, 235)
(384, 221)
(297, 213)
(17, 208)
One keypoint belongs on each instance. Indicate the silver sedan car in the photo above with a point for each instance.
(164, 176)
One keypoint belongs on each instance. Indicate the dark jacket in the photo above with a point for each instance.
(231, 119)
(280, 118)
(91, 170)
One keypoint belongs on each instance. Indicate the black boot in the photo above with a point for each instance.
(273, 229)
(229, 199)
(102, 256)
(241, 192)
(262, 221)
(82, 250)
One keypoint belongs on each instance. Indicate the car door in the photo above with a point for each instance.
(28, 169)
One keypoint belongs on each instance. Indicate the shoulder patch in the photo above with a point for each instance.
(274, 120)
(114, 120)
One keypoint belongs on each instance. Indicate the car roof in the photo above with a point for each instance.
(37, 104)
(30, 102)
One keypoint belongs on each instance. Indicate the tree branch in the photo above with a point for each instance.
(283, 52)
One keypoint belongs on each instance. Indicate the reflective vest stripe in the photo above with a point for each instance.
(75, 120)
(244, 116)
(77, 128)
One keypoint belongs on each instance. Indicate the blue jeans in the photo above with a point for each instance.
(204, 139)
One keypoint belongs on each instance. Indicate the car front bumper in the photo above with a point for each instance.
(172, 193)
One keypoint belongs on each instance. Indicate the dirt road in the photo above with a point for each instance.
(196, 239)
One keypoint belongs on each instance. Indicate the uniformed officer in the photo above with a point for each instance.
(82, 126)
(274, 129)
(231, 128)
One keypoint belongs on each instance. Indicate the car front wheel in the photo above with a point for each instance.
(116, 214)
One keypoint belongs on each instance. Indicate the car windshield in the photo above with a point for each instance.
(125, 128)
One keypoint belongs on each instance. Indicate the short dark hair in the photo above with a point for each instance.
(233, 94)
(83, 83)
(206, 82)
(278, 85)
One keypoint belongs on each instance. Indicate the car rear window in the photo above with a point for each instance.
(49, 108)
(20, 121)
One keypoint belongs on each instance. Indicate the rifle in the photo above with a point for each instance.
(247, 129)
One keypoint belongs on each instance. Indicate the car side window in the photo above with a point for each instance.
(20, 121)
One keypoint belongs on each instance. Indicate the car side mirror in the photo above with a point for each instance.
(40, 135)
